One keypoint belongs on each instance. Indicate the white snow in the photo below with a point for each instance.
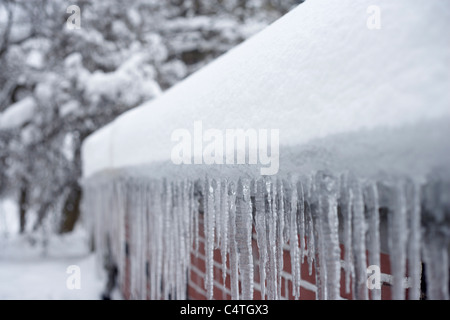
(17, 114)
(363, 116)
(35, 59)
(131, 80)
(316, 72)
(69, 107)
(26, 274)
(29, 272)
(9, 222)
(67, 147)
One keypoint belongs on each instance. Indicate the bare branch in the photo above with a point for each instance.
(7, 32)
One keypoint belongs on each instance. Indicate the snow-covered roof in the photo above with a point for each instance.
(317, 74)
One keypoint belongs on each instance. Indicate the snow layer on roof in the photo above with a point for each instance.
(97, 152)
(316, 72)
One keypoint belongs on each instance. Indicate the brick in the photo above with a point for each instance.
(385, 262)
(284, 293)
(218, 293)
(227, 282)
(201, 228)
(196, 289)
(257, 294)
(286, 261)
(201, 247)
(256, 273)
(198, 262)
(197, 278)
(386, 292)
(344, 294)
(306, 294)
(342, 247)
(290, 286)
(305, 272)
(218, 274)
(217, 256)
(193, 294)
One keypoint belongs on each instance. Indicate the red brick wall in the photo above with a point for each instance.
(197, 291)
(222, 291)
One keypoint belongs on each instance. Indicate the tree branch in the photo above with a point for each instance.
(7, 32)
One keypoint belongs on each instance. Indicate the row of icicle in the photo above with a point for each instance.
(309, 215)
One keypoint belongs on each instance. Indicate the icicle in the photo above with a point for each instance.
(244, 237)
(435, 253)
(224, 227)
(398, 236)
(119, 229)
(191, 213)
(197, 190)
(179, 243)
(185, 236)
(189, 234)
(209, 233)
(158, 238)
(132, 224)
(118, 186)
(293, 239)
(414, 240)
(168, 242)
(261, 230)
(271, 224)
(358, 238)
(301, 219)
(138, 240)
(436, 239)
(144, 242)
(97, 224)
(234, 259)
(328, 208)
(151, 241)
(373, 237)
(279, 207)
(309, 229)
(149, 238)
(155, 238)
(319, 261)
(287, 212)
(218, 213)
(346, 203)
(174, 241)
(134, 236)
(158, 221)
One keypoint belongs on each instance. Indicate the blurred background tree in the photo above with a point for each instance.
(58, 85)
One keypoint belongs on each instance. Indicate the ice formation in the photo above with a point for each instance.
(161, 219)
(364, 162)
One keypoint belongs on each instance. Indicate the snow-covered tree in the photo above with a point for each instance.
(58, 85)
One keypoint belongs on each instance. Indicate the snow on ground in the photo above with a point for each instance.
(27, 272)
